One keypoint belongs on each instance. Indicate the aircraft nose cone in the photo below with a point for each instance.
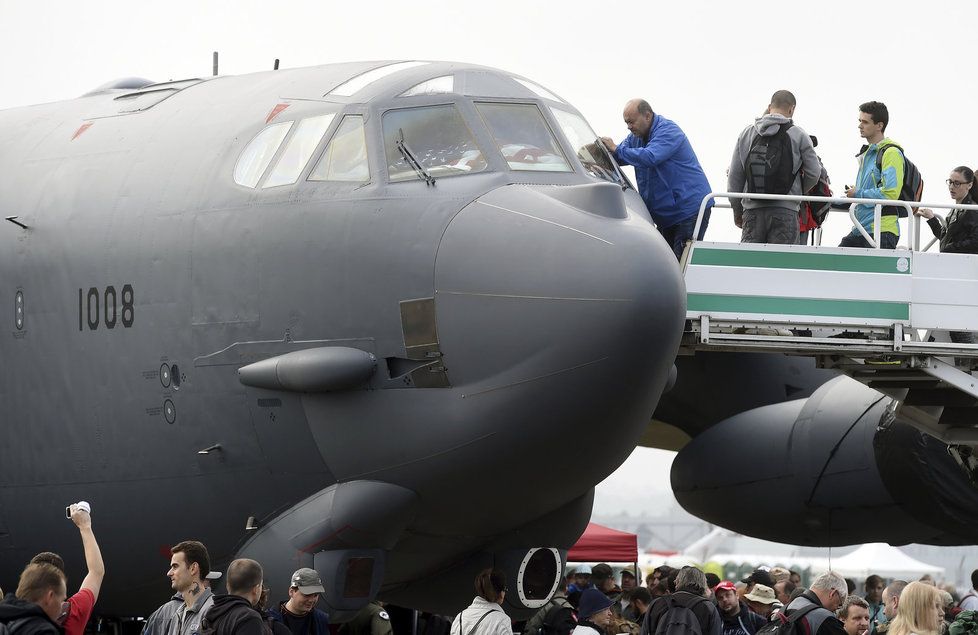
(546, 311)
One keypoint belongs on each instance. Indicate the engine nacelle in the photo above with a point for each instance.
(837, 468)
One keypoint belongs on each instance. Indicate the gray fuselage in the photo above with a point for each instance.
(523, 321)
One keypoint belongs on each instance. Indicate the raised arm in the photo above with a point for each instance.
(93, 555)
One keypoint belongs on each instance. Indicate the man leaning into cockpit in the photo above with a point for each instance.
(670, 178)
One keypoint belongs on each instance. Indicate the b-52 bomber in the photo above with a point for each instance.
(360, 317)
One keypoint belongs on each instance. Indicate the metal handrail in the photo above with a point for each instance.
(913, 223)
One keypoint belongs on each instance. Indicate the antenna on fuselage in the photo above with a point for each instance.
(215, 63)
(13, 219)
(276, 64)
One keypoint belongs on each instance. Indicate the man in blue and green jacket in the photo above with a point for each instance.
(872, 182)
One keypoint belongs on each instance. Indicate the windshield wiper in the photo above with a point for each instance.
(405, 151)
(622, 179)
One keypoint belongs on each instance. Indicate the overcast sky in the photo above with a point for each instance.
(709, 65)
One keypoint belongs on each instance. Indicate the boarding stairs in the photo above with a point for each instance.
(883, 317)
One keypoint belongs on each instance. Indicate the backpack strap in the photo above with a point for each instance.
(798, 614)
(781, 128)
(879, 155)
(472, 632)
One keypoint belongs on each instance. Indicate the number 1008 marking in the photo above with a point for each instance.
(106, 308)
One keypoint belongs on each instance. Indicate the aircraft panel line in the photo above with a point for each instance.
(530, 379)
(531, 297)
(550, 222)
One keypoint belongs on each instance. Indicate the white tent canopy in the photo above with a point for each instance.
(883, 560)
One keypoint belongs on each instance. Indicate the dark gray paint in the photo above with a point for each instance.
(557, 324)
(834, 469)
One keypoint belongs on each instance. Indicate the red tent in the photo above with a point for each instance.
(603, 544)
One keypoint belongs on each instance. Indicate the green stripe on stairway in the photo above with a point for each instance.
(708, 302)
(800, 260)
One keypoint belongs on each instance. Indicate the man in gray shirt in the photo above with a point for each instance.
(772, 156)
(159, 621)
(189, 566)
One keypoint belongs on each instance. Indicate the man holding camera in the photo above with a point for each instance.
(80, 604)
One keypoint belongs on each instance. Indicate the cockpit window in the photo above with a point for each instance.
(436, 86)
(345, 158)
(596, 160)
(354, 85)
(538, 89)
(524, 137)
(299, 150)
(259, 153)
(436, 137)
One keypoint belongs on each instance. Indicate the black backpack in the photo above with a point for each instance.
(559, 620)
(790, 625)
(556, 617)
(769, 164)
(913, 184)
(678, 619)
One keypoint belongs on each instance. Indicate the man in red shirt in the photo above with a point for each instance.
(78, 608)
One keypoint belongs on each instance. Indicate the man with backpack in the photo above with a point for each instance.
(815, 607)
(685, 612)
(772, 156)
(884, 172)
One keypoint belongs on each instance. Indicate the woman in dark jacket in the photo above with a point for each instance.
(960, 233)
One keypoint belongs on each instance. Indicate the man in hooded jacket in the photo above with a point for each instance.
(235, 613)
(767, 221)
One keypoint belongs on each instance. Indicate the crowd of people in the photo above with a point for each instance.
(41, 605)
(774, 156)
(588, 601)
(687, 601)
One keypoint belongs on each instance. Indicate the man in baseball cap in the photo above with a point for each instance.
(603, 579)
(738, 619)
(299, 613)
(582, 580)
(761, 575)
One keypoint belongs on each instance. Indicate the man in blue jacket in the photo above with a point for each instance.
(669, 175)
